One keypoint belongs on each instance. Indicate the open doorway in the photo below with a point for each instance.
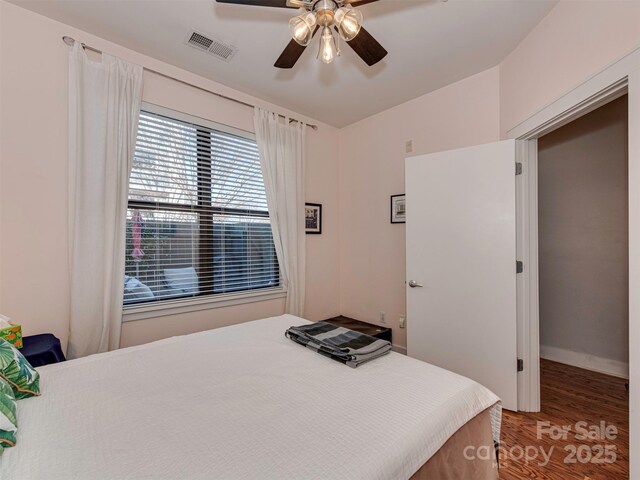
(583, 241)
(617, 79)
(583, 261)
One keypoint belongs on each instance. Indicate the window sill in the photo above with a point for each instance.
(176, 307)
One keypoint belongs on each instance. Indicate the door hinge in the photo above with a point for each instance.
(518, 168)
(519, 266)
(520, 365)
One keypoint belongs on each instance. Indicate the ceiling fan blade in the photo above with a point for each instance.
(357, 3)
(367, 47)
(291, 53)
(259, 3)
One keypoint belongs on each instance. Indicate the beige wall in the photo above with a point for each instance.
(34, 286)
(372, 153)
(575, 40)
(583, 234)
(357, 266)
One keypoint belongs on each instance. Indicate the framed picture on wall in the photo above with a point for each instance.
(313, 218)
(398, 209)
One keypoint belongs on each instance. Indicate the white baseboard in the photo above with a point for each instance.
(399, 349)
(586, 361)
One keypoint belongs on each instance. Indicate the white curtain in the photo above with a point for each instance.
(282, 149)
(104, 105)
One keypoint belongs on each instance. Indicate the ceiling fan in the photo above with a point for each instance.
(342, 15)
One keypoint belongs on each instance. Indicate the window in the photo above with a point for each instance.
(197, 218)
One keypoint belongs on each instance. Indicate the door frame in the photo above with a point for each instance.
(619, 78)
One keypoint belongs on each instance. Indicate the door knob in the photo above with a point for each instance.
(414, 284)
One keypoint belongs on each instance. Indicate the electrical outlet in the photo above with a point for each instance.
(403, 321)
(383, 317)
(408, 146)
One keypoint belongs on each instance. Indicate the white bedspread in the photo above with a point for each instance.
(240, 402)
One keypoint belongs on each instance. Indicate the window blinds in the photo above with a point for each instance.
(197, 222)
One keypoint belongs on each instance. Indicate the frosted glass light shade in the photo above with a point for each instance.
(349, 22)
(301, 28)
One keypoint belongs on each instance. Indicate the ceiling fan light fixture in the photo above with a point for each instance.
(301, 28)
(341, 15)
(328, 48)
(348, 21)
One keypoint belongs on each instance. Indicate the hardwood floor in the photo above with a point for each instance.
(569, 395)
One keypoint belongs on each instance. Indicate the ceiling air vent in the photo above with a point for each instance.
(214, 47)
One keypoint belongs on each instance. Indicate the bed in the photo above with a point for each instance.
(244, 402)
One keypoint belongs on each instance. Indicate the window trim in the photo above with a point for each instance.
(193, 119)
(141, 311)
(131, 313)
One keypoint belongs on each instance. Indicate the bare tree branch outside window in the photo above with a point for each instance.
(205, 223)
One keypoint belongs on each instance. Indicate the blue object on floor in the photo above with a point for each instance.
(42, 349)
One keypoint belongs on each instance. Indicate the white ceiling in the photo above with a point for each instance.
(431, 44)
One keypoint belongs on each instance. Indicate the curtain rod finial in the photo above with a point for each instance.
(68, 40)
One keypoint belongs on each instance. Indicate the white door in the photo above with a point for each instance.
(461, 253)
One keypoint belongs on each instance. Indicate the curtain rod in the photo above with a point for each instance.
(71, 41)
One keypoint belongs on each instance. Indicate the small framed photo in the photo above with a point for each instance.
(313, 218)
(398, 209)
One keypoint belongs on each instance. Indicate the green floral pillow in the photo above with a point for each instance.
(8, 423)
(15, 369)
